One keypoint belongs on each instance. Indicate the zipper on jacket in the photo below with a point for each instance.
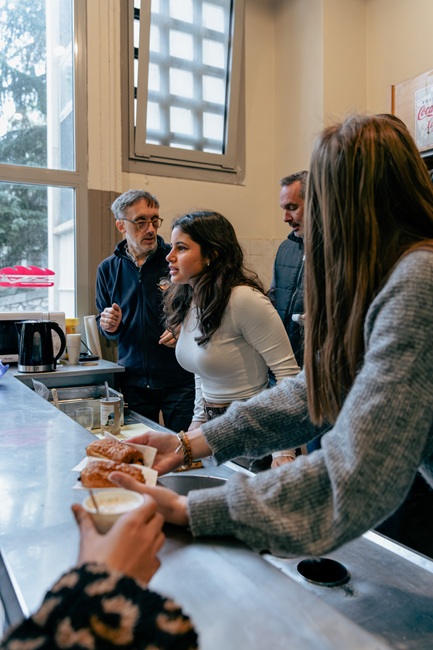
(143, 326)
(296, 291)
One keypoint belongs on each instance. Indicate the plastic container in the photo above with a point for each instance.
(72, 325)
(110, 415)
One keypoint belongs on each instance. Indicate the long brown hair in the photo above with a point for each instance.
(369, 199)
(211, 293)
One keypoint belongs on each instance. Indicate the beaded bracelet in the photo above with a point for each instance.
(185, 446)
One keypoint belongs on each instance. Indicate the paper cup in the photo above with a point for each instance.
(112, 504)
(73, 345)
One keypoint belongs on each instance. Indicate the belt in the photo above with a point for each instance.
(212, 405)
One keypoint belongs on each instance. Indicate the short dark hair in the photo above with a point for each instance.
(298, 176)
(130, 197)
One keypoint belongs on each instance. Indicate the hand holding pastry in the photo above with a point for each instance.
(172, 506)
(169, 454)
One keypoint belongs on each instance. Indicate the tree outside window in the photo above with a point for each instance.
(37, 134)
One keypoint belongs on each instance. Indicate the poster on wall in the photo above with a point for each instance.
(424, 118)
(412, 102)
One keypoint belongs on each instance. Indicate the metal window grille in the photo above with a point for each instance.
(186, 75)
(188, 69)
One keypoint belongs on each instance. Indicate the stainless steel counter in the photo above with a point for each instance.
(235, 597)
(70, 375)
(390, 590)
(38, 447)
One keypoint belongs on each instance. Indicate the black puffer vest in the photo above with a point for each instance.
(287, 290)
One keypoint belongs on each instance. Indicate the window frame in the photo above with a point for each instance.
(77, 179)
(160, 160)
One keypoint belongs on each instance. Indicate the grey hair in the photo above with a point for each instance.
(130, 197)
(297, 176)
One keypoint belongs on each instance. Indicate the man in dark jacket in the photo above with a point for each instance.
(129, 288)
(287, 287)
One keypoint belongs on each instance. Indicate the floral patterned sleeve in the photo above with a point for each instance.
(91, 607)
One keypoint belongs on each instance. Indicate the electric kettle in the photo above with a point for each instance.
(35, 345)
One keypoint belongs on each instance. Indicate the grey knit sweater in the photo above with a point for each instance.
(368, 460)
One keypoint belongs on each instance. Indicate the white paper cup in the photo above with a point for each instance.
(73, 344)
(112, 504)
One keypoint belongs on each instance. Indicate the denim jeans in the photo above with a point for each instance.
(176, 403)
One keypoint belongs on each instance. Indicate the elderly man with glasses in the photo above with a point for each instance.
(129, 287)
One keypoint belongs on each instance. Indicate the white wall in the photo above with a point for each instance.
(399, 46)
(345, 74)
(299, 92)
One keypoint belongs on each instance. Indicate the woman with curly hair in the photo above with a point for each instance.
(230, 335)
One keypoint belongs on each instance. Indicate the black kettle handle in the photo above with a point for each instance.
(54, 326)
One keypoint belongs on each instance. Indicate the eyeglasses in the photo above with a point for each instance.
(144, 223)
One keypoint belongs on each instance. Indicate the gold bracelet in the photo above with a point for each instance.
(185, 446)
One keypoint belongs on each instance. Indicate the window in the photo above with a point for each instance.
(185, 87)
(42, 163)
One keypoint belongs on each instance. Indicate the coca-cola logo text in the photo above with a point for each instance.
(425, 112)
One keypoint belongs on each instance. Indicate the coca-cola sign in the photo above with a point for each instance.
(424, 117)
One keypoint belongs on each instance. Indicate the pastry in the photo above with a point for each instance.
(95, 474)
(114, 450)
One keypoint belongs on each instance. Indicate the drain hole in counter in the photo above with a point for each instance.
(323, 571)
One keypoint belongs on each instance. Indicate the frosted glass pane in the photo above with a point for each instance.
(213, 17)
(136, 72)
(214, 54)
(181, 45)
(154, 44)
(213, 126)
(212, 150)
(181, 83)
(136, 33)
(181, 146)
(188, 73)
(182, 10)
(214, 90)
(154, 77)
(181, 120)
(153, 116)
